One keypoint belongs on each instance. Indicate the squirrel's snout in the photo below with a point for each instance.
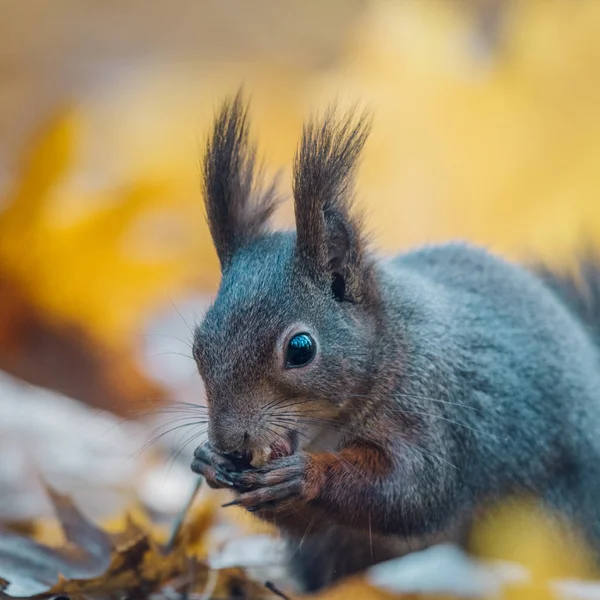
(230, 440)
(241, 450)
(239, 442)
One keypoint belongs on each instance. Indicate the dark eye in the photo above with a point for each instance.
(300, 351)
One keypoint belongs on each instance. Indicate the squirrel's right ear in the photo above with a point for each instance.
(238, 206)
(330, 243)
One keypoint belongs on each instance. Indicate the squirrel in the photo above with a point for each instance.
(370, 405)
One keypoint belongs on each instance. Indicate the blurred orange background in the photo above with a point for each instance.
(486, 128)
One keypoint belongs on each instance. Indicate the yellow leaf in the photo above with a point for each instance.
(50, 156)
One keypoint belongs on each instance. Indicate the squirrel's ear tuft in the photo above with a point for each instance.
(238, 205)
(330, 242)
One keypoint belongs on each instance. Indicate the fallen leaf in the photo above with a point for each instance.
(31, 568)
(97, 564)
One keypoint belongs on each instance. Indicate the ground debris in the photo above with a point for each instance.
(95, 564)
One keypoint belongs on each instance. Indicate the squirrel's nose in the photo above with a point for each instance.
(229, 440)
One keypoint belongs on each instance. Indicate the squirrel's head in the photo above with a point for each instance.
(289, 338)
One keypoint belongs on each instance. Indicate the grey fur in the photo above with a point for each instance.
(324, 171)
(476, 379)
(238, 205)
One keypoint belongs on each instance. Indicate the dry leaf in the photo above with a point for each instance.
(97, 564)
(92, 561)
(31, 568)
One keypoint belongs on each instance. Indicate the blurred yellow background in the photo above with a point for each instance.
(487, 127)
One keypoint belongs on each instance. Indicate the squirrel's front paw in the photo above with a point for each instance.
(280, 485)
(214, 467)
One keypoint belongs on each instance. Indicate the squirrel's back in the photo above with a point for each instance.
(470, 269)
(521, 350)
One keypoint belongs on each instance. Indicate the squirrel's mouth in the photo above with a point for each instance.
(257, 457)
(282, 447)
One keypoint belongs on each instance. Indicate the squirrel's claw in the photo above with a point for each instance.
(277, 486)
(215, 468)
(272, 499)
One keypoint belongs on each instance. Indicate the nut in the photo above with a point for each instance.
(261, 456)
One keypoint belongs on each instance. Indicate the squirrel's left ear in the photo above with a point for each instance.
(238, 206)
(330, 242)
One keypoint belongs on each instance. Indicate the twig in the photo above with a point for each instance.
(275, 590)
(182, 515)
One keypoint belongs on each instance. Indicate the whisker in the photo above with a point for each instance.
(447, 420)
(419, 397)
(290, 429)
(339, 427)
(174, 420)
(293, 402)
(273, 434)
(182, 317)
(272, 403)
(293, 420)
(301, 543)
(301, 415)
(191, 404)
(158, 437)
(182, 446)
(170, 353)
(172, 337)
(434, 456)
(187, 412)
(181, 408)
(353, 468)
(317, 414)
(162, 404)
(399, 410)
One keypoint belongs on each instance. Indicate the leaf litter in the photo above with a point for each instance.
(136, 563)
(132, 563)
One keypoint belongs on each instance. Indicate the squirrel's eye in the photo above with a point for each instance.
(300, 351)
